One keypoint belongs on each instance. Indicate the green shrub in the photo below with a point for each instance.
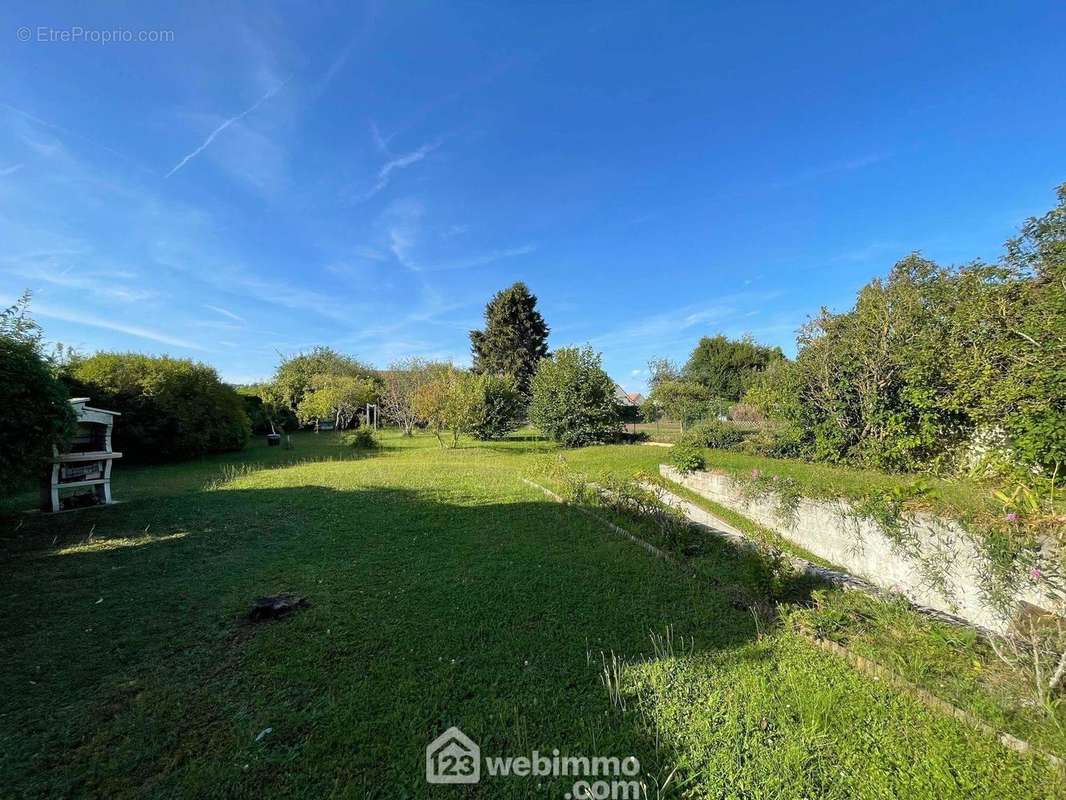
(171, 408)
(716, 434)
(34, 412)
(784, 441)
(687, 457)
(930, 356)
(573, 399)
(503, 407)
(360, 439)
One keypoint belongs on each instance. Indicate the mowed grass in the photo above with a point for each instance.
(443, 591)
(952, 498)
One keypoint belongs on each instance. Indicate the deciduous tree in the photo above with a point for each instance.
(401, 382)
(452, 400)
(726, 366)
(336, 397)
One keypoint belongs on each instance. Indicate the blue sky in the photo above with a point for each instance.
(367, 175)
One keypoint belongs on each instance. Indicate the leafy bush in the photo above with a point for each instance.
(776, 441)
(502, 407)
(716, 434)
(932, 355)
(34, 412)
(360, 439)
(687, 457)
(573, 399)
(171, 408)
(743, 412)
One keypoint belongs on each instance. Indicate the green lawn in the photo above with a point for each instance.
(663, 430)
(443, 591)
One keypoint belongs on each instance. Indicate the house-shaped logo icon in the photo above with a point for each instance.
(453, 757)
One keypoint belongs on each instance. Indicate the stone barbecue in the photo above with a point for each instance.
(82, 476)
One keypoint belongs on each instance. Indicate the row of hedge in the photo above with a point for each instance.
(942, 369)
(171, 408)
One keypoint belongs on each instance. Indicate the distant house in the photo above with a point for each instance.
(627, 406)
(622, 398)
(636, 398)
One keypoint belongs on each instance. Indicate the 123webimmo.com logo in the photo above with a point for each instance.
(455, 758)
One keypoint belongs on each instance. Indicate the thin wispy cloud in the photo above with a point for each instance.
(224, 312)
(45, 268)
(370, 253)
(343, 57)
(406, 160)
(397, 163)
(26, 115)
(669, 324)
(836, 167)
(10, 170)
(227, 123)
(401, 243)
(483, 259)
(380, 141)
(871, 251)
(81, 318)
(678, 324)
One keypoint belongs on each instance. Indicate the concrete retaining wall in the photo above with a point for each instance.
(831, 530)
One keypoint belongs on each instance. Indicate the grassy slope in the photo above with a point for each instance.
(444, 591)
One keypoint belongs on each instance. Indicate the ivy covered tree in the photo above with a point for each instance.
(515, 337)
(502, 407)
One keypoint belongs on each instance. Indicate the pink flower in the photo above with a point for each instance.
(1035, 573)
(1012, 517)
(756, 473)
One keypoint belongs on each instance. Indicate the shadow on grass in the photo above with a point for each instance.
(120, 634)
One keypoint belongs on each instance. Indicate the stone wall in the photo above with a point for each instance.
(831, 530)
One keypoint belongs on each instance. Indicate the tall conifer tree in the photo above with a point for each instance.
(515, 337)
